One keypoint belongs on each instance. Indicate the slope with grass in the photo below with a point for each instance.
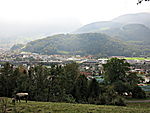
(51, 107)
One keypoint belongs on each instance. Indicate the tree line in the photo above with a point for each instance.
(66, 84)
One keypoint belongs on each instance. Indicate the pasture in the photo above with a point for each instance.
(52, 107)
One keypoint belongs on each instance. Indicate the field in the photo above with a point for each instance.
(137, 58)
(51, 107)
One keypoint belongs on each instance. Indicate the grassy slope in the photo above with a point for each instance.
(49, 107)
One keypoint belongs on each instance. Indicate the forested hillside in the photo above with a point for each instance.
(127, 35)
(83, 44)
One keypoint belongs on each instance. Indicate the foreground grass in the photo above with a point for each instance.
(51, 107)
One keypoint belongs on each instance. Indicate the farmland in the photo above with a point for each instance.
(137, 58)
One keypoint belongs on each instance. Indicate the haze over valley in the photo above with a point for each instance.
(14, 33)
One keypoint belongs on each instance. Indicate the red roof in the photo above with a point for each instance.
(85, 73)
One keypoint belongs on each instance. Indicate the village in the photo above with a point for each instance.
(90, 66)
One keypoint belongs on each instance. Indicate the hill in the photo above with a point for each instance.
(83, 44)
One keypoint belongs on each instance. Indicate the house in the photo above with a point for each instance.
(146, 78)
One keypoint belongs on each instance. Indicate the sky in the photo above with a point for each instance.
(59, 11)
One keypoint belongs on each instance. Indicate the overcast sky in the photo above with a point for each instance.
(51, 11)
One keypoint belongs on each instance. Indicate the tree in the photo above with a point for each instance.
(80, 91)
(70, 75)
(62, 82)
(118, 75)
(140, 1)
(94, 89)
(137, 92)
(116, 70)
(33, 81)
(120, 87)
(7, 80)
(40, 82)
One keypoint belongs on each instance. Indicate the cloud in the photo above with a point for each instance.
(50, 10)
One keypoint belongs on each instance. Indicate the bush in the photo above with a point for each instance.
(69, 98)
(137, 92)
(91, 100)
(106, 99)
(119, 101)
(102, 100)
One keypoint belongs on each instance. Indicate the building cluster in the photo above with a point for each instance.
(88, 65)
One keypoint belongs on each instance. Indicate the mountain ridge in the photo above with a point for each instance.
(83, 44)
(106, 38)
(115, 27)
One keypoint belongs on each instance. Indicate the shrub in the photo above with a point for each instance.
(138, 93)
(119, 101)
(91, 100)
(69, 98)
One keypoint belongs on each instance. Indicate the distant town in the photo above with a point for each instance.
(90, 65)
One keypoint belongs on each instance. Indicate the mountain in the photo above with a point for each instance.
(98, 26)
(17, 47)
(140, 18)
(83, 44)
(126, 35)
(130, 32)
(130, 27)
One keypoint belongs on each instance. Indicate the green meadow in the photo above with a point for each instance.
(52, 107)
(137, 58)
